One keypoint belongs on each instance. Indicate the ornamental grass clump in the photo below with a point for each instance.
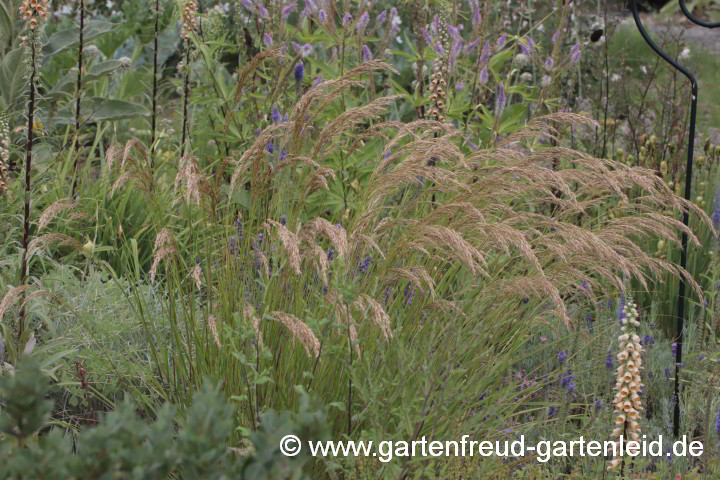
(627, 401)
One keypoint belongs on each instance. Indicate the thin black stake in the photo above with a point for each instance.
(688, 188)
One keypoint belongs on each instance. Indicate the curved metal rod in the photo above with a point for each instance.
(696, 20)
(688, 191)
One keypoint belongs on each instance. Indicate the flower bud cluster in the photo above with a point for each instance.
(627, 401)
(189, 18)
(440, 73)
(34, 12)
(4, 154)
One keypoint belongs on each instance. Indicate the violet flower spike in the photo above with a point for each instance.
(322, 16)
(549, 63)
(575, 53)
(367, 54)
(381, 17)
(299, 72)
(362, 23)
(484, 76)
(500, 43)
(439, 50)
(288, 9)
(500, 100)
(347, 18)
(267, 39)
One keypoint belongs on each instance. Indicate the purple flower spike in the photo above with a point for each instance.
(288, 9)
(275, 115)
(322, 16)
(561, 356)
(500, 43)
(267, 40)
(549, 63)
(500, 100)
(362, 23)
(609, 361)
(299, 72)
(439, 50)
(381, 17)
(460, 85)
(318, 80)
(426, 36)
(552, 411)
(717, 422)
(575, 53)
(367, 54)
(347, 18)
(484, 76)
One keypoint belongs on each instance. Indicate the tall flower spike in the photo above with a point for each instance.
(440, 72)
(4, 155)
(627, 401)
(189, 18)
(34, 12)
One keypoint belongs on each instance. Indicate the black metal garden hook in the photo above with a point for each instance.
(688, 188)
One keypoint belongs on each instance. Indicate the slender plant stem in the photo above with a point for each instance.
(78, 94)
(154, 88)
(26, 216)
(186, 95)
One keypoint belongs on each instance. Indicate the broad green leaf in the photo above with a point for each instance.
(12, 75)
(96, 109)
(59, 41)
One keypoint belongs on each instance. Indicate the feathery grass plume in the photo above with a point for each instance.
(290, 241)
(164, 247)
(113, 153)
(244, 76)
(249, 313)
(350, 118)
(131, 167)
(197, 275)
(53, 210)
(12, 297)
(44, 241)
(325, 93)
(4, 154)
(212, 323)
(300, 331)
(377, 312)
(416, 275)
(197, 185)
(335, 233)
(627, 402)
(254, 157)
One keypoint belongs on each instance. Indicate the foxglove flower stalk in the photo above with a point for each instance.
(627, 401)
(34, 12)
(4, 154)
